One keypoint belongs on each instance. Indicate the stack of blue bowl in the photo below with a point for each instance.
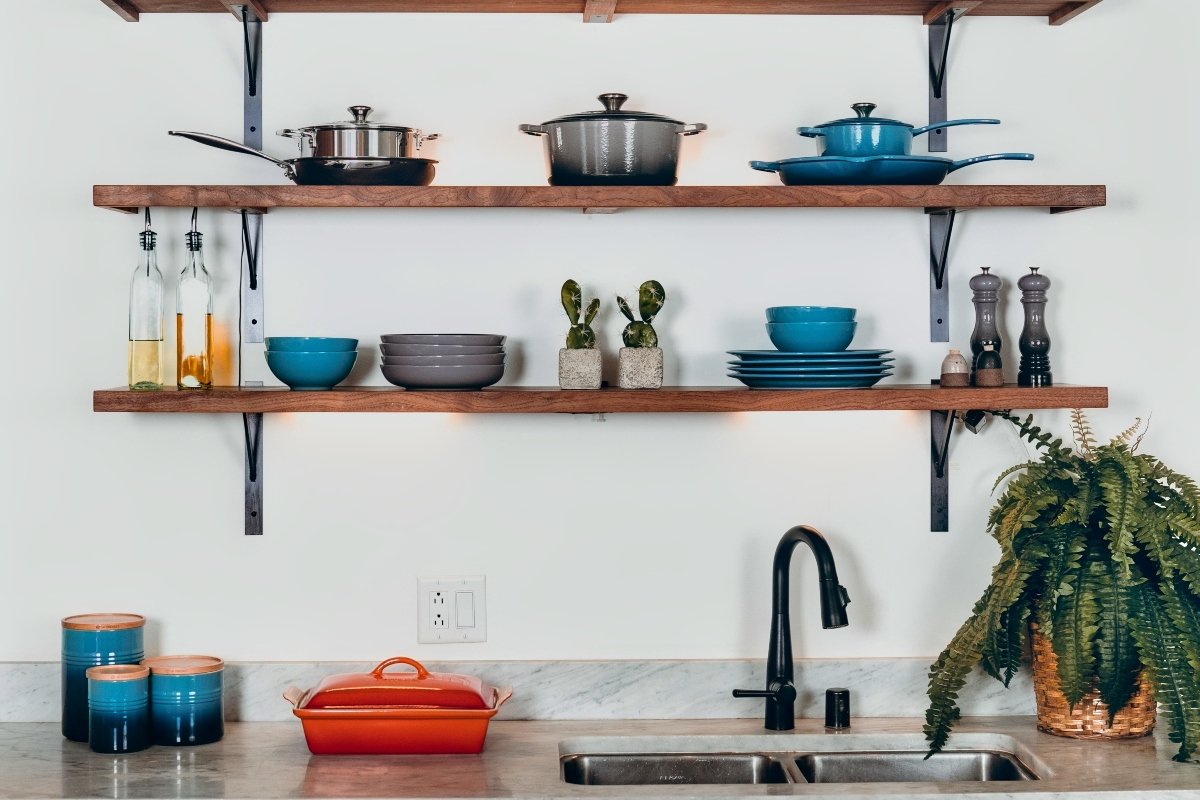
(311, 362)
(812, 352)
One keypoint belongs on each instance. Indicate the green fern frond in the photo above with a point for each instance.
(1183, 608)
(1166, 664)
(1078, 621)
(1120, 496)
(1117, 659)
(1004, 645)
(1081, 430)
(1126, 435)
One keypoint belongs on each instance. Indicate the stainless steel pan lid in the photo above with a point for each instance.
(358, 138)
(359, 122)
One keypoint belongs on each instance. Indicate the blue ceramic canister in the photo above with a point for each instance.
(118, 708)
(185, 699)
(91, 640)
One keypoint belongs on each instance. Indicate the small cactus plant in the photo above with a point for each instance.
(580, 335)
(651, 297)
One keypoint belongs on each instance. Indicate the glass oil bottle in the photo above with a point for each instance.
(146, 317)
(193, 317)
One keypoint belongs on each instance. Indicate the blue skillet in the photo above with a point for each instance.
(864, 170)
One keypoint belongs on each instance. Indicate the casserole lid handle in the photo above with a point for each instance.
(422, 673)
(294, 695)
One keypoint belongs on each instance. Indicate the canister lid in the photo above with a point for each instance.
(118, 672)
(183, 665)
(103, 622)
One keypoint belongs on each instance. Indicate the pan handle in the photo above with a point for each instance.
(765, 166)
(236, 147)
(693, 128)
(950, 123)
(966, 162)
(533, 130)
(811, 133)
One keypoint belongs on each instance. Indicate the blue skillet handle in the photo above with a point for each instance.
(765, 166)
(950, 123)
(811, 133)
(966, 162)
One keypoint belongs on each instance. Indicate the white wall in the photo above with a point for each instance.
(644, 536)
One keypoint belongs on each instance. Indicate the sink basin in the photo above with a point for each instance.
(630, 769)
(911, 765)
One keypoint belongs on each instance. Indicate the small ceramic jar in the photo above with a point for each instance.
(185, 699)
(90, 640)
(118, 708)
(955, 370)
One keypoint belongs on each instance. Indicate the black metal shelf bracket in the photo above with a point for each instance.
(941, 228)
(252, 302)
(940, 28)
(941, 430)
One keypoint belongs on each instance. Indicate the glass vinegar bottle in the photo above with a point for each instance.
(193, 317)
(146, 317)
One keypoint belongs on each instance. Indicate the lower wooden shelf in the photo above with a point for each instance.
(549, 400)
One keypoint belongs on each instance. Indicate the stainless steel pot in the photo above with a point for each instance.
(358, 138)
(613, 147)
(333, 171)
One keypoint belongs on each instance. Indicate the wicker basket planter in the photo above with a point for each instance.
(1089, 718)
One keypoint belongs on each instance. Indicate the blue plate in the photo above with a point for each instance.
(864, 170)
(802, 371)
(764, 355)
(815, 362)
(841, 382)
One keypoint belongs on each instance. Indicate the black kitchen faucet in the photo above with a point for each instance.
(781, 692)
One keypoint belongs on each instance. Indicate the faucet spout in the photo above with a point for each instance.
(780, 693)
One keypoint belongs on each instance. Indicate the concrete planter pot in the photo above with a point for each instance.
(578, 369)
(641, 368)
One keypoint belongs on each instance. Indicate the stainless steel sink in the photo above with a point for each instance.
(630, 769)
(911, 765)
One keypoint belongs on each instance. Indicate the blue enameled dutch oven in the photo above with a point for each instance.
(864, 135)
(880, 170)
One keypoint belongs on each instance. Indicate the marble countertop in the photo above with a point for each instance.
(270, 759)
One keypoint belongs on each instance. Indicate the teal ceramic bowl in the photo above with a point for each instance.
(311, 344)
(307, 370)
(810, 314)
(808, 337)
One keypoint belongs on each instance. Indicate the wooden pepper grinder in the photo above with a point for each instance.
(1035, 339)
(985, 289)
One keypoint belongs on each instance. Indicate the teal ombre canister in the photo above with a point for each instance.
(185, 699)
(90, 640)
(118, 708)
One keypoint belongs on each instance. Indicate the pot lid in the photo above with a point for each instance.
(420, 689)
(612, 110)
(863, 115)
(359, 122)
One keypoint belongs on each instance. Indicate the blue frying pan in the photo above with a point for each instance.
(862, 170)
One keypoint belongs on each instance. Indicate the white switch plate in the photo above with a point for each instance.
(451, 610)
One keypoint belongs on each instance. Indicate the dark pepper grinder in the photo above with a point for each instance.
(985, 289)
(1035, 339)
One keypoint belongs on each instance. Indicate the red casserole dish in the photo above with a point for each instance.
(375, 713)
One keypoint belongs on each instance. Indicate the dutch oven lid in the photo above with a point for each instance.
(359, 122)
(863, 115)
(612, 110)
(420, 689)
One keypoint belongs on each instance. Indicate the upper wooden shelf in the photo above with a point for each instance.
(543, 400)
(1055, 11)
(1056, 198)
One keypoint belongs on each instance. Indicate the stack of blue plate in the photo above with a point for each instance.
(841, 369)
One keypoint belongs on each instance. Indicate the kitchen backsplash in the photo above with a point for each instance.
(880, 687)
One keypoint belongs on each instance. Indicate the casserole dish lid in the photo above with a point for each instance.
(612, 110)
(863, 116)
(395, 690)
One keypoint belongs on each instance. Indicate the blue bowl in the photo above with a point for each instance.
(311, 344)
(301, 370)
(811, 337)
(810, 314)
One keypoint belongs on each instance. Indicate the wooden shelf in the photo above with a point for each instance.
(1056, 198)
(1056, 11)
(547, 400)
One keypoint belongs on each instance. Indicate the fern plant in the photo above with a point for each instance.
(1100, 546)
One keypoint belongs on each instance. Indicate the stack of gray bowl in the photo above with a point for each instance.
(442, 360)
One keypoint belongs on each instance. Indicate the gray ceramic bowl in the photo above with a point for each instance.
(440, 349)
(473, 377)
(443, 338)
(444, 361)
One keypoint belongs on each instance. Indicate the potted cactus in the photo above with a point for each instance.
(641, 359)
(579, 361)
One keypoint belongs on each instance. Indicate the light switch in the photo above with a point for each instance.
(464, 609)
(451, 610)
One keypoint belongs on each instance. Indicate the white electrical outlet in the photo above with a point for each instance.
(451, 610)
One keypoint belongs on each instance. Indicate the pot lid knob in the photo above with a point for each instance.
(863, 110)
(360, 113)
(613, 100)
